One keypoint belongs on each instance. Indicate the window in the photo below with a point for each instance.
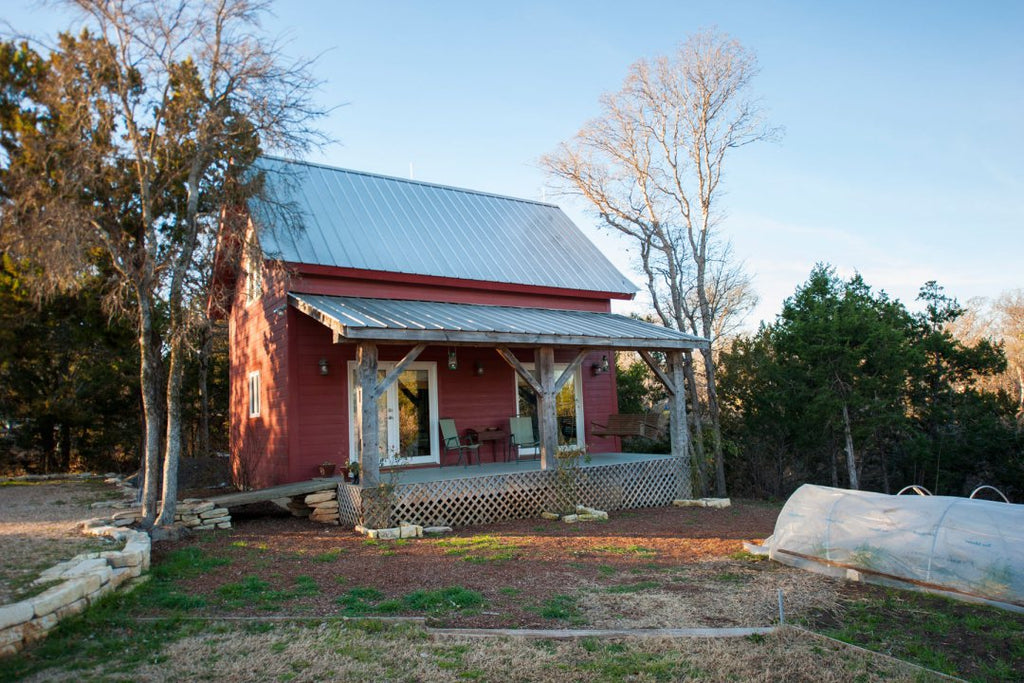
(253, 279)
(254, 394)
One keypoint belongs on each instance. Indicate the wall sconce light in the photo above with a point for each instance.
(453, 362)
(478, 368)
(324, 370)
(601, 367)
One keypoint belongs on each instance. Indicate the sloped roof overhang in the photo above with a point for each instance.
(400, 321)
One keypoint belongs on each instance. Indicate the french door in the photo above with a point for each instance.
(406, 416)
(568, 408)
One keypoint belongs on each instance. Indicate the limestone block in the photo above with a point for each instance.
(550, 515)
(195, 506)
(391, 534)
(84, 567)
(320, 497)
(8, 650)
(77, 607)
(688, 503)
(213, 513)
(53, 599)
(436, 530)
(38, 628)
(11, 635)
(585, 517)
(188, 520)
(131, 556)
(15, 613)
(571, 519)
(716, 502)
(224, 525)
(217, 520)
(205, 527)
(326, 505)
(118, 576)
(410, 531)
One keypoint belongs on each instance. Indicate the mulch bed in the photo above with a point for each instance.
(637, 569)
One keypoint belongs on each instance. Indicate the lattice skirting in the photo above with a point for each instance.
(487, 499)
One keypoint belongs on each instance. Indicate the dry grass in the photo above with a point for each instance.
(38, 527)
(289, 652)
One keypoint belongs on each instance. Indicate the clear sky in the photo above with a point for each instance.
(903, 156)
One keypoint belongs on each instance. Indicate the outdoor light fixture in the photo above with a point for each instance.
(453, 362)
(600, 368)
(478, 368)
(323, 367)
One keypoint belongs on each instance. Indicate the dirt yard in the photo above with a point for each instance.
(659, 568)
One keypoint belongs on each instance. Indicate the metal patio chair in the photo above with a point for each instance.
(521, 435)
(452, 442)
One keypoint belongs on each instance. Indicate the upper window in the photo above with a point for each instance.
(253, 279)
(254, 394)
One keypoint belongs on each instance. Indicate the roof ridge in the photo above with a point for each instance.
(384, 176)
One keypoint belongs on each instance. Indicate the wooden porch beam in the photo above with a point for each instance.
(399, 368)
(659, 373)
(571, 370)
(519, 368)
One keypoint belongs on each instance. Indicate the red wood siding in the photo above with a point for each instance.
(304, 416)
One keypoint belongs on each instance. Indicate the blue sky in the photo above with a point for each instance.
(903, 156)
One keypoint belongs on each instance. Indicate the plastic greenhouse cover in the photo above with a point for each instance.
(968, 548)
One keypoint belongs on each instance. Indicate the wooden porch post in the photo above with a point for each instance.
(367, 428)
(675, 382)
(547, 418)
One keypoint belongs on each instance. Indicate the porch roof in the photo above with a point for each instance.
(447, 323)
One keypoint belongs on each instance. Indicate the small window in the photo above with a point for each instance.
(254, 394)
(253, 280)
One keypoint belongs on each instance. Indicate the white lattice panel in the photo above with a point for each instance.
(483, 500)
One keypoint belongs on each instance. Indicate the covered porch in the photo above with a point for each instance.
(527, 340)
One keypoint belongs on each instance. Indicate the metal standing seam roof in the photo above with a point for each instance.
(427, 321)
(364, 221)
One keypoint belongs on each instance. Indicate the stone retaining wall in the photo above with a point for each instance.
(83, 580)
(321, 507)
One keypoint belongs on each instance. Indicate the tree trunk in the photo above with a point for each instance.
(851, 463)
(172, 456)
(716, 423)
(149, 379)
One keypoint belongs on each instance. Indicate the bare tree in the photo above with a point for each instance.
(143, 128)
(651, 166)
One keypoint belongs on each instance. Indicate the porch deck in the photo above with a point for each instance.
(492, 492)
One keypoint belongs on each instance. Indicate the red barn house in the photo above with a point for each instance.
(396, 310)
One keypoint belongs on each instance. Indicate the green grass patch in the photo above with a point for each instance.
(634, 587)
(563, 607)
(329, 556)
(638, 550)
(616, 662)
(974, 642)
(253, 591)
(365, 601)
(479, 549)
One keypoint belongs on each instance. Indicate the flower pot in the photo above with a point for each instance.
(326, 470)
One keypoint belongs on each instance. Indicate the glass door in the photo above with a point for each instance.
(568, 408)
(406, 414)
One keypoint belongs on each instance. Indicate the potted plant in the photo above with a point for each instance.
(326, 468)
(353, 469)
